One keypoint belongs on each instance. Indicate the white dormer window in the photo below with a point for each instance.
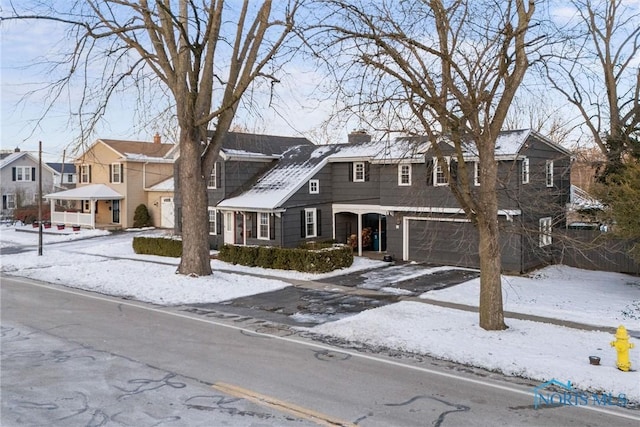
(116, 173)
(549, 168)
(314, 186)
(525, 170)
(404, 175)
(476, 173)
(358, 172)
(439, 174)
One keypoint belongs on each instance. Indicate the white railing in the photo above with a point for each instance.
(71, 218)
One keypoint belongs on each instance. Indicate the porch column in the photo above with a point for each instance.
(359, 234)
(92, 204)
(244, 228)
(379, 233)
(52, 208)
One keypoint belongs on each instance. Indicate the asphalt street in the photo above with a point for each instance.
(76, 358)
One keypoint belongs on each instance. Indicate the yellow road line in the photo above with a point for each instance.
(281, 405)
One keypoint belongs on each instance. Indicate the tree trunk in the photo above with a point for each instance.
(491, 311)
(193, 191)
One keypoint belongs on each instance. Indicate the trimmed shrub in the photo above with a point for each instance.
(330, 257)
(141, 217)
(29, 214)
(161, 246)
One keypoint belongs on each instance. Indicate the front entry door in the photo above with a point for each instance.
(229, 228)
(166, 212)
(115, 211)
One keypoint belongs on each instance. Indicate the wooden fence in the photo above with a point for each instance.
(594, 250)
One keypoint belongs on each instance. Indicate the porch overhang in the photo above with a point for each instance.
(87, 192)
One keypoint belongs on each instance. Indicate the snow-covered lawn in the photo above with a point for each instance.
(536, 350)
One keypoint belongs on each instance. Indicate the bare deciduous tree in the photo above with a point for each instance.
(444, 70)
(594, 66)
(200, 56)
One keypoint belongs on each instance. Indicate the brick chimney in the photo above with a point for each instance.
(17, 150)
(157, 139)
(359, 136)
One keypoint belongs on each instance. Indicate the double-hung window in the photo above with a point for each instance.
(310, 222)
(404, 174)
(9, 201)
(116, 173)
(212, 220)
(476, 173)
(439, 171)
(549, 170)
(211, 183)
(23, 173)
(85, 174)
(358, 172)
(263, 226)
(525, 170)
(545, 231)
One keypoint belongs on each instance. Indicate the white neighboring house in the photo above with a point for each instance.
(66, 177)
(19, 180)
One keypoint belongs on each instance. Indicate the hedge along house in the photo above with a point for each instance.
(114, 177)
(393, 196)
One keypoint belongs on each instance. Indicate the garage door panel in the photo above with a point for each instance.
(443, 242)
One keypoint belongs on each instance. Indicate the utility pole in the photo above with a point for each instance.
(39, 198)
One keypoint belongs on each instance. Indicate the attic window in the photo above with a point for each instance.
(439, 174)
(404, 175)
(525, 170)
(549, 167)
(314, 186)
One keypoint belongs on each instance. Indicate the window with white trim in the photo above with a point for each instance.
(525, 170)
(9, 201)
(476, 173)
(70, 178)
(310, 222)
(358, 172)
(439, 174)
(314, 186)
(549, 169)
(23, 173)
(211, 183)
(404, 174)
(263, 226)
(229, 221)
(545, 231)
(212, 220)
(85, 175)
(116, 173)
(86, 206)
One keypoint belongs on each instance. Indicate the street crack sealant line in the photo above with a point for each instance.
(298, 341)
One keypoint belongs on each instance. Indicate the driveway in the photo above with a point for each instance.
(312, 303)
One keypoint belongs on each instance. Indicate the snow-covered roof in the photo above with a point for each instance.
(8, 159)
(166, 185)
(291, 172)
(87, 192)
(400, 149)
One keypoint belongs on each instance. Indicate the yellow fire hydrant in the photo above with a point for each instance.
(622, 346)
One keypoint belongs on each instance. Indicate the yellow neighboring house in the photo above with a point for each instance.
(114, 178)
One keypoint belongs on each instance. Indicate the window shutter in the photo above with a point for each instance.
(4, 201)
(453, 171)
(318, 223)
(303, 230)
(110, 173)
(217, 166)
(366, 171)
(429, 165)
(218, 222)
(350, 172)
(13, 174)
(121, 166)
(254, 225)
(33, 174)
(89, 173)
(272, 227)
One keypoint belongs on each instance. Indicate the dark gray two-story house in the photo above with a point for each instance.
(389, 196)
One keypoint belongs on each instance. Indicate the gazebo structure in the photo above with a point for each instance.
(89, 196)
